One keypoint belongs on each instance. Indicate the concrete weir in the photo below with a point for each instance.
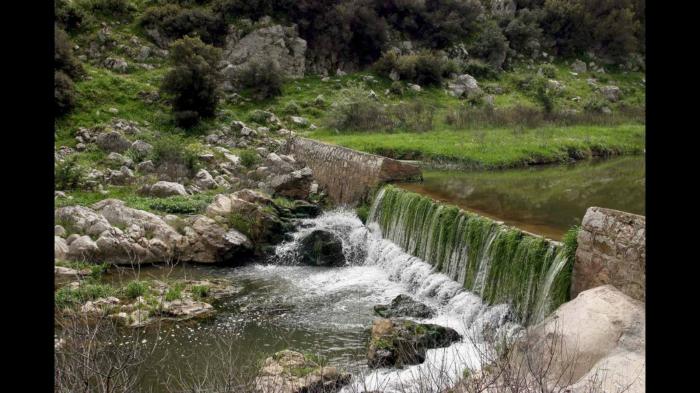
(347, 175)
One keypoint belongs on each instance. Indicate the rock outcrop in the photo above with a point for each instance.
(321, 248)
(611, 250)
(404, 306)
(279, 43)
(292, 372)
(399, 342)
(606, 330)
(347, 175)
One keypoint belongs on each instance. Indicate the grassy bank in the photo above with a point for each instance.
(497, 147)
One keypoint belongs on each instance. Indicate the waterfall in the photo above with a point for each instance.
(499, 263)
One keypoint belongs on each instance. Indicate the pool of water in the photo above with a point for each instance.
(546, 200)
(319, 310)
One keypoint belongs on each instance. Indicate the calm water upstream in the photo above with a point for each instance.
(545, 200)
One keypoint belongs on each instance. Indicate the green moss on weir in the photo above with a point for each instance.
(502, 264)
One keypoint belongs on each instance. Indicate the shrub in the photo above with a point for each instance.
(135, 289)
(479, 69)
(490, 44)
(172, 149)
(63, 93)
(292, 108)
(179, 205)
(249, 158)
(262, 78)
(200, 291)
(110, 8)
(193, 81)
(69, 175)
(354, 110)
(253, 9)
(64, 60)
(594, 104)
(424, 67)
(396, 88)
(542, 93)
(260, 116)
(548, 70)
(68, 16)
(175, 22)
(174, 292)
(523, 32)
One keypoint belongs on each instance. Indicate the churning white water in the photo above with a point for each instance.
(377, 265)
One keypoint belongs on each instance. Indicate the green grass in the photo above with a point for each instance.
(135, 289)
(174, 292)
(68, 296)
(497, 148)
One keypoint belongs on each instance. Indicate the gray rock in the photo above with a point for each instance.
(414, 87)
(59, 231)
(299, 121)
(321, 248)
(464, 85)
(295, 185)
(145, 167)
(60, 248)
(112, 141)
(611, 93)
(142, 148)
(83, 248)
(578, 66)
(116, 64)
(116, 159)
(281, 44)
(404, 306)
(204, 180)
(164, 189)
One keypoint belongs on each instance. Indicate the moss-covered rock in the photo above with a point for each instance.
(400, 342)
(293, 372)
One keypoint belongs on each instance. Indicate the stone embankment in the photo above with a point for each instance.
(611, 250)
(348, 175)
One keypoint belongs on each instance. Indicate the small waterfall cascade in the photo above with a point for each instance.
(499, 263)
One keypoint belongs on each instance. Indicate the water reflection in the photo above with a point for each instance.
(546, 200)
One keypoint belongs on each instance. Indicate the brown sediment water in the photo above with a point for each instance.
(545, 200)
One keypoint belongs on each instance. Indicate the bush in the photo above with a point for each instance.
(354, 110)
(68, 16)
(193, 81)
(179, 205)
(69, 296)
(249, 158)
(135, 289)
(69, 175)
(262, 78)
(490, 44)
(110, 8)
(175, 22)
(253, 9)
(425, 68)
(396, 88)
(64, 60)
(595, 104)
(64, 93)
(479, 69)
(174, 293)
(542, 93)
(172, 149)
(200, 291)
(523, 32)
(292, 108)
(548, 70)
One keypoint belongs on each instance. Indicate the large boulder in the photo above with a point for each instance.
(605, 329)
(292, 372)
(204, 180)
(611, 93)
(400, 342)
(207, 241)
(321, 248)
(279, 43)
(464, 85)
(112, 141)
(164, 189)
(60, 248)
(404, 306)
(294, 185)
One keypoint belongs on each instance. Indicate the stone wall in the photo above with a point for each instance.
(347, 175)
(611, 250)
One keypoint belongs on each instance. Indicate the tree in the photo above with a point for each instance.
(193, 81)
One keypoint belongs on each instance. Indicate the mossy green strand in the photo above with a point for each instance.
(500, 263)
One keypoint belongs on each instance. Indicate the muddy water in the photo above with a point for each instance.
(545, 200)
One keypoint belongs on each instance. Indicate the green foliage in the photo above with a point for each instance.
(262, 78)
(68, 15)
(193, 81)
(548, 70)
(424, 68)
(174, 292)
(135, 289)
(523, 32)
(260, 116)
(109, 8)
(570, 242)
(249, 157)
(68, 174)
(240, 223)
(354, 110)
(595, 104)
(174, 22)
(174, 150)
(396, 88)
(200, 291)
(362, 212)
(70, 296)
(179, 204)
(63, 93)
(292, 108)
(490, 44)
(478, 69)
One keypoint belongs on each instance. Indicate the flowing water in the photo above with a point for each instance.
(328, 311)
(546, 200)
